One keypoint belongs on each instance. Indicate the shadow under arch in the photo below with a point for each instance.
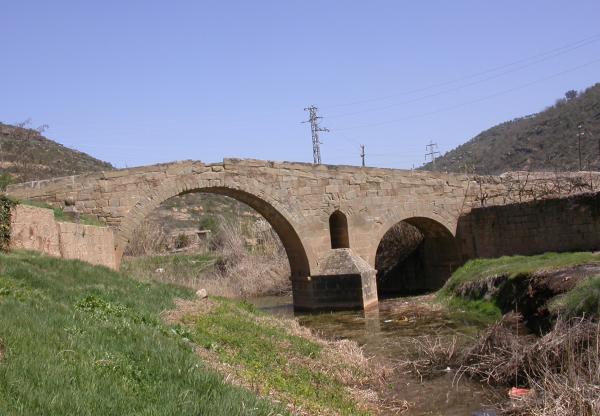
(296, 254)
(416, 255)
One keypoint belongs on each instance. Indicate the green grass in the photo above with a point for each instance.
(479, 311)
(514, 266)
(84, 340)
(181, 265)
(60, 215)
(270, 357)
(584, 299)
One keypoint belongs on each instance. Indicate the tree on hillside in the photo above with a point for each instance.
(569, 95)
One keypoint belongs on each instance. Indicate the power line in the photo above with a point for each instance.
(315, 129)
(484, 98)
(458, 88)
(557, 51)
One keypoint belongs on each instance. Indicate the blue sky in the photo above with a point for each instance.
(141, 82)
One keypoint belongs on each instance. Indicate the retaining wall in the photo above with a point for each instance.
(562, 224)
(36, 229)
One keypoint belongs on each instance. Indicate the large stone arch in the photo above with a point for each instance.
(273, 212)
(432, 260)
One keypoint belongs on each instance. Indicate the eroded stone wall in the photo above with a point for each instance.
(36, 229)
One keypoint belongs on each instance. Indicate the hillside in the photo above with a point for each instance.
(542, 141)
(27, 155)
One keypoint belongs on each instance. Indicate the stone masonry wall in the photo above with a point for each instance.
(564, 224)
(296, 198)
(36, 229)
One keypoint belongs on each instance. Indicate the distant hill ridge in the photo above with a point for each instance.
(27, 155)
(543, 141)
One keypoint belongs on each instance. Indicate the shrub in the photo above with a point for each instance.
(182, 241)
(5, 180)
(6, 205)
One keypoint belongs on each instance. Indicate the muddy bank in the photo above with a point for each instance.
(529, 294)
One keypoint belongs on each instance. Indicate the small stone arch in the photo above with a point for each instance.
(297, 257)
(425, 266)
(338, 230)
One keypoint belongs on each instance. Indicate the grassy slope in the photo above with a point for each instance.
(585, 296)
(176, 265)
(271, 358)
(83, 340)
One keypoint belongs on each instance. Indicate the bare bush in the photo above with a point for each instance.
(525, 186)
(433, 356)
(246, 259)
(562, 368)
(149, 238)
(249, 270)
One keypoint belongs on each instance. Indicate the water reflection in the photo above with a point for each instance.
(386, 333)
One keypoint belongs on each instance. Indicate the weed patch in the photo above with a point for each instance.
(280, 359)
(87, 340)
(583, 300)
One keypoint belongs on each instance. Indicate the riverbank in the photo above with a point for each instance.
(545, 341)
(79, 339)
(538, 287)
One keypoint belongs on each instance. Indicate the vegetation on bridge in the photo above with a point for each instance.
(61, 215)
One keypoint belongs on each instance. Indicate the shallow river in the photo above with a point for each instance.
(386, 333)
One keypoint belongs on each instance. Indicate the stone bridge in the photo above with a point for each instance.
(330, 219)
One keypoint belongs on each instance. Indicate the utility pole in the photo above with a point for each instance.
(313, 119)
(580, 134)
(362, 154)
(432, 152)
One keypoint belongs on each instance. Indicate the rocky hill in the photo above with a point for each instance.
(25, 154)
(544, 141)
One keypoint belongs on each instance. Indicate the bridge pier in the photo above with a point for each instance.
(343, 280)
